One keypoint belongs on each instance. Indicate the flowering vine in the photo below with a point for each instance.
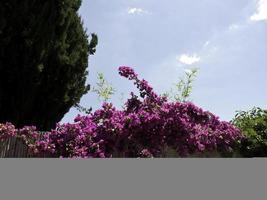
(146, 127)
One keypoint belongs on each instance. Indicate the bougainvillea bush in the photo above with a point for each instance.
(148, 126)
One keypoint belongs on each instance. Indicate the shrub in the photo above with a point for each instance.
(253, 124)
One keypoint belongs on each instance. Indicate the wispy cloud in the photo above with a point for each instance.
(188, 59)
(261, 13)
(133, 11)
(207, 43)
(233, 27)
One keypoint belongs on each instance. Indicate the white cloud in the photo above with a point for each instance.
(233, 27)
(133, 11)
(207, 43)
(261, 12)
(188, 60)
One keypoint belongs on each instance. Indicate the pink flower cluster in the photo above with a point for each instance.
(147, 126)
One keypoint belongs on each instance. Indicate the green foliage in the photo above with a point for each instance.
(103, 89)
(43, 60)
(93, 43)
(253, 124)
(183, 89)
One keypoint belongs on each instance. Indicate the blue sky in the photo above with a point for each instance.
(226, 40)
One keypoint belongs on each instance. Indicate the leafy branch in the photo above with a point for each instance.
(183, 89)
(103, 89)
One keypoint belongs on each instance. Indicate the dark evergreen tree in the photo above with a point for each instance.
(44, 53)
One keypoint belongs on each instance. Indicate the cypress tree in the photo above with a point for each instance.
(44, 53)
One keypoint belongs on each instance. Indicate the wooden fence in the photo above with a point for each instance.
(14, 148)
